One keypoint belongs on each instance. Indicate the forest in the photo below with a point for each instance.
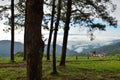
(34, 63)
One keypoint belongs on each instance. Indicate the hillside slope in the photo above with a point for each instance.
(108, 49)
(5, 48)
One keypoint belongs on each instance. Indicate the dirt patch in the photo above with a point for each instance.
(17, 65)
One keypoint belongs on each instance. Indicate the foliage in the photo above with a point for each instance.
(118, 56)
(19, 54)
(83, 13)
(19, 16)
(19, 13)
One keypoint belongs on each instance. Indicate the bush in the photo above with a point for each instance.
(19, 54)
(117, 56)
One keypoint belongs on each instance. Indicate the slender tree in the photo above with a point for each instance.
(34, 42)
(25, 34)
(51, 30)
(84, 13)
(66, 29)
(12, 30)
(55, 37)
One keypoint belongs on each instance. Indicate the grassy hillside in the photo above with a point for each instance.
(111, 49)
(95, 68)
(115, 51)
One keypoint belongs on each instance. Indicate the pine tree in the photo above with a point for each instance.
(12, 30)
(55, 36)
(34, 42)
(66, 29)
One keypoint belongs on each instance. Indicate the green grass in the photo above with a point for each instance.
(12, 73)
(7, 60)
(94, 68)
(98, 65)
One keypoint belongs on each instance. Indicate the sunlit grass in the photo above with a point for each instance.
(103, 68)
(7, 59)
(12, 73)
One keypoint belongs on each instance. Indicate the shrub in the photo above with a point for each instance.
(19, 54)
(118, 56)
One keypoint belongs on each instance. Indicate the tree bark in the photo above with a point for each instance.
(24, 58)
(51, 30)
(66, 30)
(12, 30)
(24, 55)
(55, 37)
(34, 42)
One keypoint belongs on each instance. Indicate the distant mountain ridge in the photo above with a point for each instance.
(111, 48)
(108, 49)
(5, 48)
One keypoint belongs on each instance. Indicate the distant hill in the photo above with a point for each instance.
(113, 48)
(5, 48)
(115, 51)
(108, 49)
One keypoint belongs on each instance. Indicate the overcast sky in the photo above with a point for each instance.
(76, 34)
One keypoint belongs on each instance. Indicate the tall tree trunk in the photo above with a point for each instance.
(24, 58)
(34, 42)
(51, 30)
(55, 37)
(66, 30)
(12, 30)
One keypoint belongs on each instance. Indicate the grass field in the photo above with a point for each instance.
(94, 68)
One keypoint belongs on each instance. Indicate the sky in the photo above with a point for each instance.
(75, 33)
